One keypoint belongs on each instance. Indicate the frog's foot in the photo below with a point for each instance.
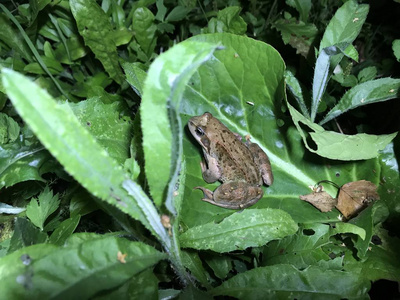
(208, 195)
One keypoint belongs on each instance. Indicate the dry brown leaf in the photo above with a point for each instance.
(321, 200)
(355, 196)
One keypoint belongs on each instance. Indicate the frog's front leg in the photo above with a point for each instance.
(210, 170)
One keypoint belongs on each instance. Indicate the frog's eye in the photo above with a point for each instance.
(199, 131)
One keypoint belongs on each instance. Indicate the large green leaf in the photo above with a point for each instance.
(163, 88)
(63, 135)
(250, 228)
(97, 32)
(248, 70)
(285, 281)
(86, 265)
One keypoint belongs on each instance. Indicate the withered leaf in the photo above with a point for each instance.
(355, 196)
(321, 200)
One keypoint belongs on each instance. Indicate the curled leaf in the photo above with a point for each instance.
(355, 196)
(321, 200)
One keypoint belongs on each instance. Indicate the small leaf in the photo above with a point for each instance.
(303, 7)
(396, 49)
(135, 77)
(39, 212)
(9, 129)
(345, 25)
(64, 230)
(335, 145)
(145, 29)
(249, 228)
(228, 20)
(373, 91)
(178, 13)
(96, 30)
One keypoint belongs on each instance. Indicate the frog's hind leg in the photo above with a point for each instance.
(208, 195)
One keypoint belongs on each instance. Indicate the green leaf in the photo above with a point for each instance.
(298, 34)
(295, 88)
(228, 20)
(145, 29)
(396, 49)
(285, 281)
(96, 30)
(345, 25)
(39, 212)
(322, 75)
(25, 234)
(75, 270)
(373, 91)
(64, 230)
(249, 228)
(107, 124)
(335, 145)
(194, 264)
(367, 74)
(141, 286)
(164, 84)
(302, 249)
(302, 6)
(13, 39)
(9, 129)
(178, 13)
(135, 76)
(246, 95)
(60, 131)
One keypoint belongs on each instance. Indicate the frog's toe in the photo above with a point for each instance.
(208, 195)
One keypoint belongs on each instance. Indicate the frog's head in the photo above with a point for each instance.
(198, 128)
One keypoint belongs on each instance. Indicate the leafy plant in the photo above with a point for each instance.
(97, 167)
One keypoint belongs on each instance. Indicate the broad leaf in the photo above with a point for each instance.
(250, 228)
(250, 71)
(96, 30)
(373, 91)
(285, 281)
(75, 270)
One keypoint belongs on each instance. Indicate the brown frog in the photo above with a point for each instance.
(241, 167)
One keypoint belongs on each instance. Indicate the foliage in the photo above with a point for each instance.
(97, 167)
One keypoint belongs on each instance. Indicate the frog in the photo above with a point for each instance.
(242, 167)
